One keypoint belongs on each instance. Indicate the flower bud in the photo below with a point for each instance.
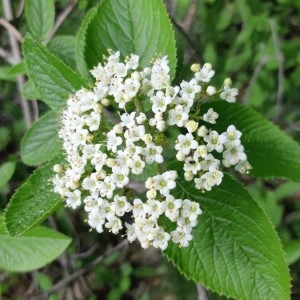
(118, 128)
(207, 66)
(98, 108)
(211, 90)
(74, 185)
(105, 102)
(58, 168)
(195, 68)
(202, 131)
(151, 194)
(141, 118)
(188, 176)
(147, 138)
(228, 82)
(89, 137)
(180, 156)
(191, 126)
(110, 162)
(161, 125)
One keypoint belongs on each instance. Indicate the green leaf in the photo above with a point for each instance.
(7, 170)
(40, 16)
(33, 202)
(33, 250)
(29, 91)
(53, 80)
(129, 26)
(292, 251)
(235, 250)
(80, 44)
(12, 72)
(270, 151)
(64, 47)
(41, 143)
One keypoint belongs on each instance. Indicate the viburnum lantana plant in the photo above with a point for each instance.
(147, 155)
(102, 154)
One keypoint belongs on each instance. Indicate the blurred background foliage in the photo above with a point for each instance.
(257, 44)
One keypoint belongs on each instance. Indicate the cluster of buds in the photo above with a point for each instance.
(105, 150)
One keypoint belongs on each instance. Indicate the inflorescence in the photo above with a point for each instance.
(104, 152)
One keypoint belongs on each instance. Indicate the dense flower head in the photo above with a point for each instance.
(113, 134)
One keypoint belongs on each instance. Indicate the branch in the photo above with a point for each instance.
(60, 19)
(16, 58)
(67, 280)
(202, 295)
(263, 60)
(6, 56)
(12, 30)
(187, 38)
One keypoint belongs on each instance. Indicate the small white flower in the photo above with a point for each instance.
(160, 239)
(177, 116)
(215, 141)
(205, 74)
(211, 90)
(153, 153)
(136, 164)
(120, 206)
(113, 223)
(186, 143)
(73, 199)
(211, 116)
(229, 94)
(233, 155)
(182, 237)
(113, 141)
(172, 207)
(160, 101)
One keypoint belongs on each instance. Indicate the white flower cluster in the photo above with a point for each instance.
(102, 156)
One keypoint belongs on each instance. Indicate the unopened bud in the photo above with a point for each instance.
(98, 108)
(141, 118)
(74, 185)
(202, 131)
(105, 102)
(118, 128)
(228, 82)
(195, 68)
(188, 176)
(191, 126)
(211, 90)
(110, 162)
(89, 137)
(180, 156)
(207, 66)
(147, 138)
(58, 168)
(161, 125)
(136, 75)
(151, 194)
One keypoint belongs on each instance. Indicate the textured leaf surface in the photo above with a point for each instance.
(80, 44)
(33, 202)
(235, 250)
(41, 143)
(33, 250)
(7, 170)
(53, 80)
(40, 17)
(29, 91)
(130, 26)
(292, 251)
(270, 151)
(64, 47)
